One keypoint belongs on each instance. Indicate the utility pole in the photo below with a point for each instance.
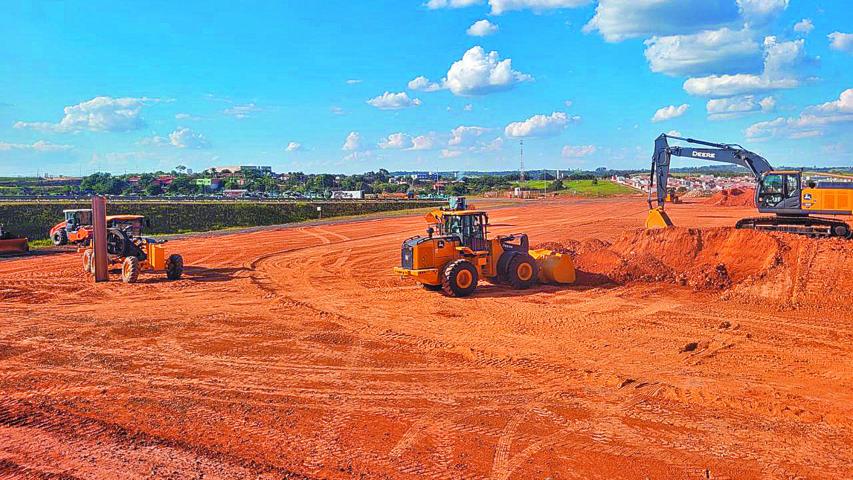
(521, 166)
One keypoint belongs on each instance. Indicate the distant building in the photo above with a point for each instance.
(348, 194)
(234, 193)
(242, 168)
(425, 177)
(163, 180)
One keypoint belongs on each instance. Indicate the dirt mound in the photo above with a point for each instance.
(749, 265)
(733, 197)
(703, 259)
(574, 247)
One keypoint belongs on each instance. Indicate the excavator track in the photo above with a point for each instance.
(810, 226)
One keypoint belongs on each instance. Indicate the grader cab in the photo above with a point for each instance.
(457, 252)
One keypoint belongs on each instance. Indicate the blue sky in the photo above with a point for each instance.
(343, 86)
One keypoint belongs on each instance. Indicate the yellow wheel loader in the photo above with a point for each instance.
(457, 252)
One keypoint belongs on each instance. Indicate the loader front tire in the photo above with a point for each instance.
(459, 278)
(522, 271)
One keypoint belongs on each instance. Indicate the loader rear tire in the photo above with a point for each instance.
(522, 272)
(459, 278)
(174, 267)
(130, 270)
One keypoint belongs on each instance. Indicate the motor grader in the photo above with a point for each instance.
(457, 252)
(133, 253)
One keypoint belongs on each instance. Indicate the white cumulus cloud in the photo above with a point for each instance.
(727, 85)
(183, 137)
(436, 4)
(448, 153)
(39, 146)
(842, 42)
(761, 11)
(617, 20)
(540, 125)
(423, 142)
(781, 60)
(394, 101)
(396, 141)
(424, 84)
(710, 51)
(100, 114)
(735, 107)
(293, 147)
(353, 142)
(804, 26)
(479, 73)
(812, 121)
(242, 111)
(482, 28)
(465, 135)
(577, 151)
(501, 6)
(669, 112)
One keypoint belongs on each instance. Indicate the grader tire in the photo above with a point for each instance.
(174, 267)
(130, 270)
(88, 261)
(459, 278)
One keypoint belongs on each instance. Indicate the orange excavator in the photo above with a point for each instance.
(799, 201)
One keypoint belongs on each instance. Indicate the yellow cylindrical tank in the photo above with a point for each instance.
(554, 267)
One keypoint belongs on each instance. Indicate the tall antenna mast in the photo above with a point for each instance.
(521, 166)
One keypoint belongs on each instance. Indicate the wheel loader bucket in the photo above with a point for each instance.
(657, 218)
(554, 267)
(14, 245)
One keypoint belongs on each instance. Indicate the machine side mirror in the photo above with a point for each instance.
(430, 231)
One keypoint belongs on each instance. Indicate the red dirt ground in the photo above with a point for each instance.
(733, 197)
(296, 353)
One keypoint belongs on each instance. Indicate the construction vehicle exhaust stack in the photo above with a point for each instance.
(457, 252)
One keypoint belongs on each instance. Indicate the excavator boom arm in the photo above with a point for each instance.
(718, 152)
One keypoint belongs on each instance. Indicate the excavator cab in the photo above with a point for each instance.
(778, 190)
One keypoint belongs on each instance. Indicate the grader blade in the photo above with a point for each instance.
(14, 245)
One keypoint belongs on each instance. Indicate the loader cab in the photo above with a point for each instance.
(779, 190)
(469, 227)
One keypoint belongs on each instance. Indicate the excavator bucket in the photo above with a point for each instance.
(14, 245)
(554, 267)
(657, 218)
